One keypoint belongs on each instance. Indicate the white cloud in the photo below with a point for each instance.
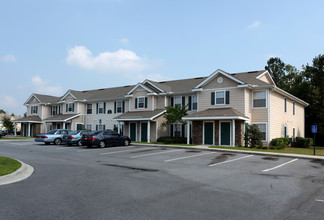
(7, 102)
(124, 41)
(43, 87)
(107, 62)
(255, 24)
(9, 58)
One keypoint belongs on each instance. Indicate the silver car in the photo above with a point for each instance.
(53, 136)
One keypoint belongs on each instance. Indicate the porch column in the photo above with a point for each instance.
(188, 132)
(15, 124)
(118, 127)
(28, 130)
(233, 128)
(148, 131)
(64, 125)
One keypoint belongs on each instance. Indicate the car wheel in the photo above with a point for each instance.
(102, 144)
(69, 144)
(57, 141)
(89, 146)
(126, 142)
(79, 143)
(47, 143)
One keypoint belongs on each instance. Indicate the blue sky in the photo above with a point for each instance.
(49, 47)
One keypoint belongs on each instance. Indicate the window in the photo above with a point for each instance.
(285, 104)
(220, 98)
(34, 109)
(119, 107)
(177, 130)
(56, 109)
(141, 102)
(263, 128)
(259, 99)
(70, 107)
(178, 101)
(109, 111)
(194, 102)
(89, 108)
(294, 134)
(101, 108)
(89, 127)
(293, 108)
(100, 127)
(285, 131)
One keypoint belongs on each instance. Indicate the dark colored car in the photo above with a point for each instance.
(74, 137)
(104, 138)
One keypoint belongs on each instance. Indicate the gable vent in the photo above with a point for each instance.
(253, 72)
(163, 82)
(198, 77)
(126, 86)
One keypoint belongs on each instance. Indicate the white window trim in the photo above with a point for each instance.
(256, 123)
(174, 100)
(138, 102)
(68, 106)
(121, 107)
(88, 108)
(180, 130)
(76, 125)
(103, 108)
(31, 109)
(87, 126)
(203, 141)
(285, 105)
(294, 109)
(266, 96)
(285, 127)
(193, 102)
(224, 92)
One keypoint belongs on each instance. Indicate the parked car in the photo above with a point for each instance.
(104, 138)
(53, 136)
(3, 133)
(74, 137)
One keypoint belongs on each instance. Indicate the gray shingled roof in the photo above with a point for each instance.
(216, 112)
(250, 77)
(138, 115)
(47, 98)
(62, 117)
(35, 119)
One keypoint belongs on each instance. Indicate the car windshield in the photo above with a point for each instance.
(96, 133)
(51, 132)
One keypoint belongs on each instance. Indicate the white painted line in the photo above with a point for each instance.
(115, 152)
(319, 200)
(18, 143)
(227, 161)
(279, 165)
(61, 148)
(92, 149)
(197, 155)
(143, 155)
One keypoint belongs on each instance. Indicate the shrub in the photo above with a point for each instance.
(172, 140)
(254, 136)
(303, 142)
(279, 143)
(279, 147)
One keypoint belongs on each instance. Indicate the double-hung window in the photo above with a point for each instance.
(101, 108)
(263, 128)
(89, 108)
(119, 107)
(285, 105)
(70, 107)
(141, 102)
(178, 101)
(259, 99)
(56, 109)
(220, 98)
(294, 111)
(34, 109)
(194, 102)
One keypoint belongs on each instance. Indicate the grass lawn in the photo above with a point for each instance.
(289, 150)
(10, 137)
(8, 165)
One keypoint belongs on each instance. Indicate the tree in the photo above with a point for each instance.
(2, 111)
(174, 114)
(276, 68)
(12, 114)
(7, 123)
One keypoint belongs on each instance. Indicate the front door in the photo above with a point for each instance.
(132, 132)
(143, 132)
(225, 133)
(79, 127)
(208, 133)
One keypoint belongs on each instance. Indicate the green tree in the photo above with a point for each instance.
(7, 123)
(12, 114)
(254, 136)
(2, 111)
(276, 68)
(174, 115)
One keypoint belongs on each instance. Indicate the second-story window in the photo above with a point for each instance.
(89, 108)
(220, 98)
(56, 109)
(141, 102)
(101, 108)
(34, 109)
(70, 107)
(119, 107)
(194, 102)
(259, 99)
(285, 104)
(178, 101)
(294, 108)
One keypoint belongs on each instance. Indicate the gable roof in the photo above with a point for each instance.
(43, 98)
(139, 85)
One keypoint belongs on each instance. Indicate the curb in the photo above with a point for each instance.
(22, 173)
(201, 147)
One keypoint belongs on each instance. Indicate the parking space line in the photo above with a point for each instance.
(240, 158)
(197, 155)
(273, 168)
(115, 152)
(62, 148)
(143, 155)
(319, 200)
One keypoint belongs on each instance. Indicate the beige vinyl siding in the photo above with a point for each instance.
(160, 101)
(259, 115)
(236, 100)
(214, 84)
(280, 118)
(265, 78)
(141, 93)
(248, 103)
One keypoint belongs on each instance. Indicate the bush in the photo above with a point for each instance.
(280, 143)
(172, 140)
(303, 142)
(254, 136)
(278, 147)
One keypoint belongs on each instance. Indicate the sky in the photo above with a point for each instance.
(49, 47)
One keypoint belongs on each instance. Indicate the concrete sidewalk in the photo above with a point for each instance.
(22, 173)
(203, 147)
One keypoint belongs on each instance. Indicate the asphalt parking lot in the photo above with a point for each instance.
(150, 182)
